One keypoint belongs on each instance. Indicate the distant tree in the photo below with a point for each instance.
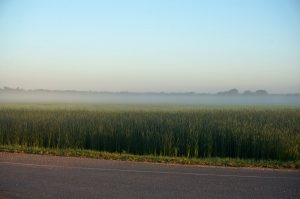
(233, 91)
(7, 88)
(261, 92)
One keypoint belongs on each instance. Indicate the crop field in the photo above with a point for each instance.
(247, 133)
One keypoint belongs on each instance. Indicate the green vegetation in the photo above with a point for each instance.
(258, 134)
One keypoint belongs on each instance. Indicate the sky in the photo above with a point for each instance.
(151, 46)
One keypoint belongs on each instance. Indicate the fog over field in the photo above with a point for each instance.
(231, 97)
(203, 83)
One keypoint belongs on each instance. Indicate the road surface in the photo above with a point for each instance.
(41, 176)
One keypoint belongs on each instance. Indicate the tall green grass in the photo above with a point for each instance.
(236, 133)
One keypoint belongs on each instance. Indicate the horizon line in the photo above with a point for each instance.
(232, 91)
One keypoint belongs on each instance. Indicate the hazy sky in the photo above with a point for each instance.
(202, 46)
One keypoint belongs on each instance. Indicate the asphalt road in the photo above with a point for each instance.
(36, 176)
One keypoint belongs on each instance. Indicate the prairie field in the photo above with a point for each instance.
(261, 133)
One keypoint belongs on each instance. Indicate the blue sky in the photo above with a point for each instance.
(173, 46)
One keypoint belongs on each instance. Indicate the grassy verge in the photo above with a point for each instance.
(230, 162)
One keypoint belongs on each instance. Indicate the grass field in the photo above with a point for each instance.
(194, 132)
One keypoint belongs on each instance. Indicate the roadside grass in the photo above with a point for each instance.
(215, 161)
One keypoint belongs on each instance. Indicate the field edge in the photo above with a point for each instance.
(215, 161)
